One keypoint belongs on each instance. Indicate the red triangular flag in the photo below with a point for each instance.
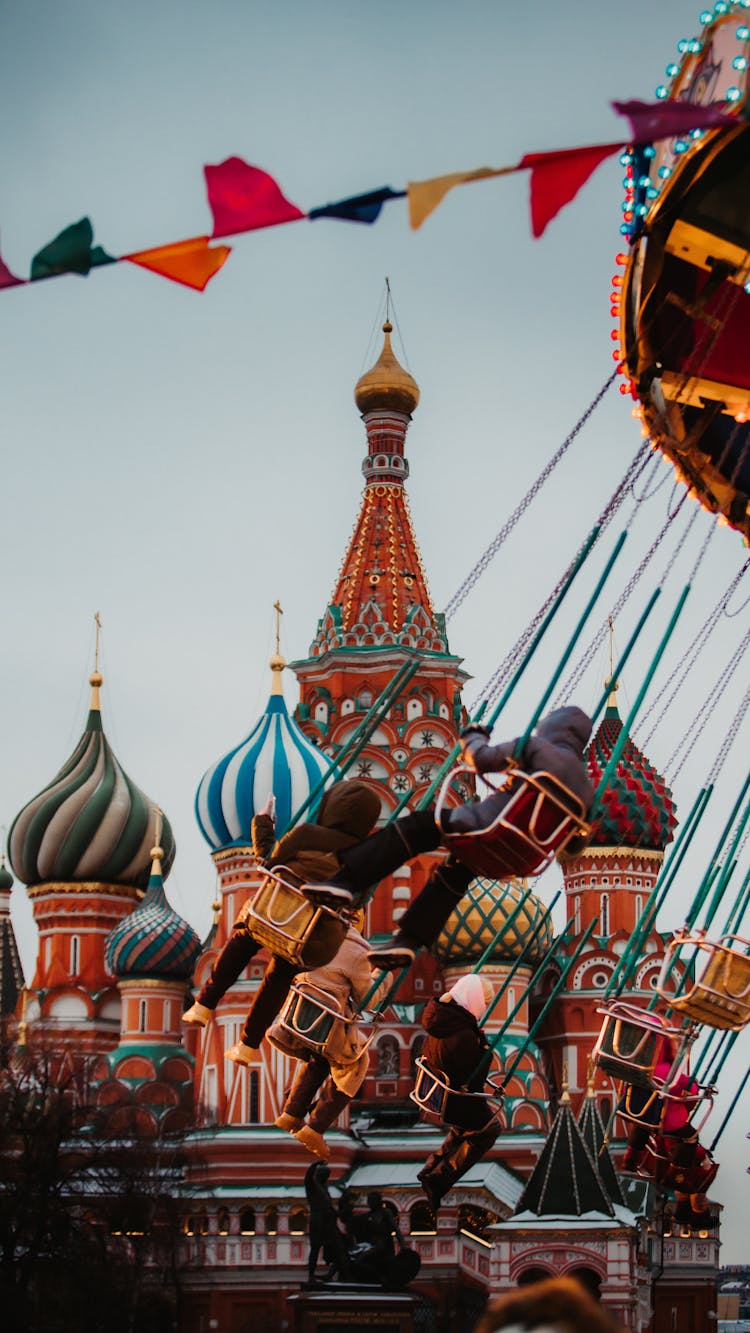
(662, 120)
(244, 198)
(193, 262)
(557, 177)
(8, 279)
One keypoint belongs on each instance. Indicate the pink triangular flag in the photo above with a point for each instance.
(244, 198)
(662, 120)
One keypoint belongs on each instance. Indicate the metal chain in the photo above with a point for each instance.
(589, 654)
(691, 655)
(695, 731)
(492, 688)
(729, 738)
(486, 558)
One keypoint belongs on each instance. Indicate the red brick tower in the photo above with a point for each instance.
(612, 879)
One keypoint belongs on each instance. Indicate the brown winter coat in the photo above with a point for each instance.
(347, 813)
(455, 1044)
(348, 977)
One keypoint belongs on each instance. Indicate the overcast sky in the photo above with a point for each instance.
(178, 461)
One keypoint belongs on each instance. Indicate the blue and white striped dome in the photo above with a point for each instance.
(276, 757)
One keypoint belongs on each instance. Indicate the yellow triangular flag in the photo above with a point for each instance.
(425, 196)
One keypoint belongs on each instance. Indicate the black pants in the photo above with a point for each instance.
(459, 1151)
(311, 1078)
(270, 996)
(384, 851)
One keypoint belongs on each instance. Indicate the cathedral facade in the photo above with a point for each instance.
(116, 965)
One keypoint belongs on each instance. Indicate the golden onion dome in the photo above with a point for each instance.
(386, 386)
(479, 921)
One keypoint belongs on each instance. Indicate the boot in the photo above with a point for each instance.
(198, 1014)
(291, 1123)
(395, 953)
(240, 1053)
(313, 1141)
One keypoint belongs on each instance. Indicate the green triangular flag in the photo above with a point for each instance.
(70, 252)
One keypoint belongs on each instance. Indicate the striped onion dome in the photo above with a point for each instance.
(479, 919)
(90, 822)
(276, 757)
(636, 808)
(154, 941)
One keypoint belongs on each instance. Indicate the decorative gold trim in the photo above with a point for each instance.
(86, 887)
(148, 983)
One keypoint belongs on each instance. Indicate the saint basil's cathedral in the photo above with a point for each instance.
(116, 967)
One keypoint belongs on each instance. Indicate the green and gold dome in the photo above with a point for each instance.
(478, 920)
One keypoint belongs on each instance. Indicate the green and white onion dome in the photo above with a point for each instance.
(154, 941)
(275, 758)
(479, 919)
(91, 822)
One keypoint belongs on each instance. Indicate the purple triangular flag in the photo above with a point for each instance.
(662, 120)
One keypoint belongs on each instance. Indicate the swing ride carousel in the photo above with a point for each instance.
(586, 1013)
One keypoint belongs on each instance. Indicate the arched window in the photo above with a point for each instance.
(416, 1050)
(222, 1222)
(202, 1224)
(474, 1221)
(188, 1226)
(141, 1015)
(247, 1222)
(638, 905)
(421, 1220)
(271, 1219)
(75, 955)
(387, 1053)
(321, 711)
(366, 697)
(577, 914)
(414, 708)
(253, 1097)
(604, 914)
(297, 1221)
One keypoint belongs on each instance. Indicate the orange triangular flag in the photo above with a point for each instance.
(425, 196)
(193, 262)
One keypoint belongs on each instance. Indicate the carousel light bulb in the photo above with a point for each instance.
(747, 287)
(671, 70)
(625, 159)
(644, 182)
(665, 173)
(624, 388)
(617, 280)
(742, 34)
(740, 417)
(721, 7)
(680, 146)
(683, 45)
(696, 134)
(733, 94)
(644, 432)
(695, 47)
(739, 62)
(635, 411)
(651, 192)
(621, 258)
(706, 16)
(649, 151)
(641, 210)
(624, 229)
(615, 335)
(661, 92)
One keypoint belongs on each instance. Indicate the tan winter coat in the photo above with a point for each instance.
(348, 977)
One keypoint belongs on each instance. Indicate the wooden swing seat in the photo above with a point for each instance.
(308, 1020)
(437, 1100)
(630, 1042)
(720, 998)
(290, 926)
(537, 822)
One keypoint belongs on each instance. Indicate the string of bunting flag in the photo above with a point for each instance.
(245, 198)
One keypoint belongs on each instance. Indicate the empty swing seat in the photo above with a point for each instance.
(290, 926)
(308, 1020)
(456, 1107)
(720, 997)
(534, 825)
(630, 1042)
